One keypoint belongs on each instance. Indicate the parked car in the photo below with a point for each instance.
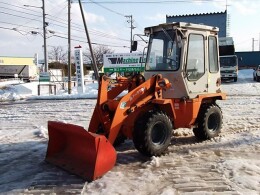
(256, 74)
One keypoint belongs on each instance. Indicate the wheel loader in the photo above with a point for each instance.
(178, 89)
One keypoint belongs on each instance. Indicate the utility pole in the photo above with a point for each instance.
(69, 48)
(95, 68)
(44, 38)
(253, 44)
(131, 27)
(44, 24)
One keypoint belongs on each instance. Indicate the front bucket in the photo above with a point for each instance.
(78, 151)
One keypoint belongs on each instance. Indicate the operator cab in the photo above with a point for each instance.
(164, 52)
(187, 55)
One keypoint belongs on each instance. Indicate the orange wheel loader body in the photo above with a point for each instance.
(181, 96)
(90, 154)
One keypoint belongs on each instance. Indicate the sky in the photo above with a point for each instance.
(22, 34)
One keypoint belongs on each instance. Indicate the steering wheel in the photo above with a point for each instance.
(171, 59)
(170, 63)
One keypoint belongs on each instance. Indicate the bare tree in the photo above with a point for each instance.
(57, 54)
(98, 53)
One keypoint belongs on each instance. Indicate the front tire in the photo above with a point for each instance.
(152, 134)
(209, 122)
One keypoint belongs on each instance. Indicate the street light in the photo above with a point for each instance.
(44, 35)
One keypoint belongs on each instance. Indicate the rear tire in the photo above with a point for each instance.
(152, 134)
(209, 122)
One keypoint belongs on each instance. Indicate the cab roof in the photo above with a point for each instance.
(182, 25)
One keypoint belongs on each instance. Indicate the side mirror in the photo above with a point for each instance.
(134, 46)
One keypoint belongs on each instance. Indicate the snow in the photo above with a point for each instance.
(245, 86)
(13, 91)
(228, 164)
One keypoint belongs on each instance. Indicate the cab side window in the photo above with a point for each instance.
(195, 59)
(213, 55)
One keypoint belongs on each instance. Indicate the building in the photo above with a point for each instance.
(218, 19)
(20, 67)
(11, 61)
(248, 59)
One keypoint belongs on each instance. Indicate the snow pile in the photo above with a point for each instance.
(155, 162)
(10, 91)
(9, 82)
(41, 132)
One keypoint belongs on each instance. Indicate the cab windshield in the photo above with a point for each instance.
(164, 52)
(228, 61)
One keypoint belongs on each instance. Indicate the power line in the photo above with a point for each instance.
(120, 14)
(16, 25)
(14, 29)
(21, 7)
(6, 28)
(78, 28)
(93, 43)
(19, 11)
(57, 23)
(83, 38)
(55, 35)
(17, 16)
(39, 16)
(94, 32)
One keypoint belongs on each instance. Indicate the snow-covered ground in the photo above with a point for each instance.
(229, 164)
(18, 90)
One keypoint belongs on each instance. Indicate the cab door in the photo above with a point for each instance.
(196, 73)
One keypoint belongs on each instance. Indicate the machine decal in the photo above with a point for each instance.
(138, 93)
(123, 105)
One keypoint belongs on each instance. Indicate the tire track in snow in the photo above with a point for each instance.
(23, 151)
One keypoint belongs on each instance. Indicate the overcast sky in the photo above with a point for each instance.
(107, 22)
